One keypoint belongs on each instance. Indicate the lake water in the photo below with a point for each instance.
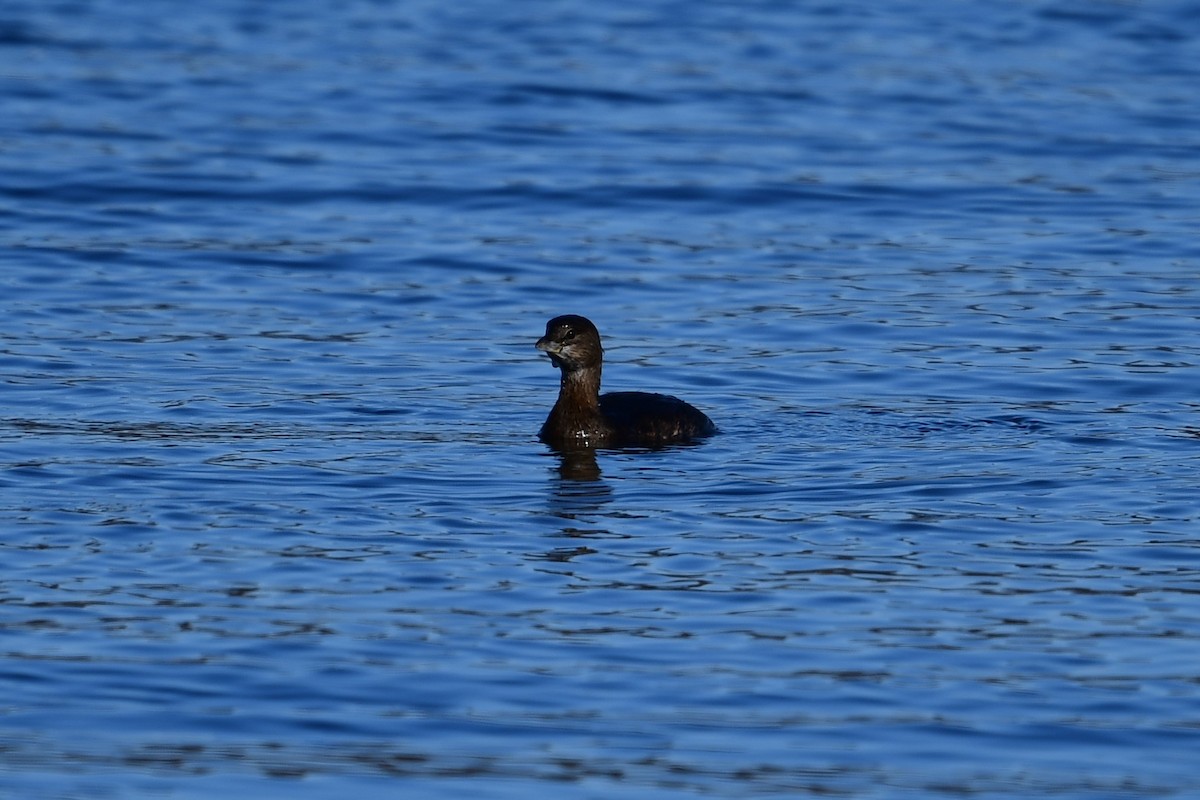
(274, 517)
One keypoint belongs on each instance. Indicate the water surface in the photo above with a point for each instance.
(275, 519)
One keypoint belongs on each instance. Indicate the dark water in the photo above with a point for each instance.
(274, 519)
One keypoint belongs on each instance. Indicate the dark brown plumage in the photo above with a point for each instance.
(583, 417)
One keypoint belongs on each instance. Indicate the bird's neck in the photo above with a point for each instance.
(580, 388)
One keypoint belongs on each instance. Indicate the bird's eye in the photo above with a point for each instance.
(568, 335)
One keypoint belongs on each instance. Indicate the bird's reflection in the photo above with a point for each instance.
(577, 490)
(579, 466)
(579, 484)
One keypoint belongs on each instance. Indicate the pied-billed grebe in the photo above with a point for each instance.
(583, 417)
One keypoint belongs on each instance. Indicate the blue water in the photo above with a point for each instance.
(274, 520)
